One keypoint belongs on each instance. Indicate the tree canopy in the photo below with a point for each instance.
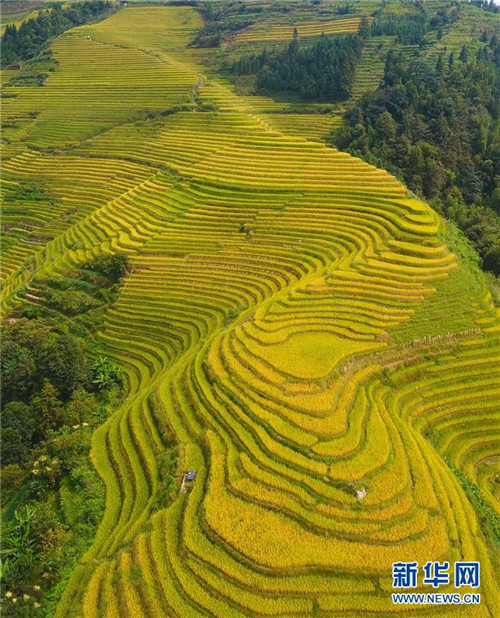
(323, 71)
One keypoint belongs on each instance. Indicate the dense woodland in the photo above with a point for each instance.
(54, 393)
(27, 40)
(410, 28)
(436, 127)
(322, 72)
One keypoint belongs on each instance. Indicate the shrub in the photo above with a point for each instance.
(12, 479)
(113, 266)
(105, 374)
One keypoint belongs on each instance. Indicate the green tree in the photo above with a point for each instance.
(491, 258)
(18, 370)
(33, 352)
(17, 416)
(440, 63)
(12, 479)
(49, 408)
(14, 448)
(386, 126)
(433, 177)
(293, 48)
(114, 266)
(324, 71)
(364, 28)
(81, 407)
(63, 363)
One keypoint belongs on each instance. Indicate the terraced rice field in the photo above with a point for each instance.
(102, 82)
(14, 12)
(466, 31)
(371, 67)
(287, 323)
(269, 31)
(313, 127)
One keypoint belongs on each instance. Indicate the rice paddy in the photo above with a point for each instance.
(287, 319)
(16, 12)
(278, 32)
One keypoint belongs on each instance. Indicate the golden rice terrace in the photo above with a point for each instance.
(295, 321)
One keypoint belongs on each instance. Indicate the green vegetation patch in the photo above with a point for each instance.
(54, 393)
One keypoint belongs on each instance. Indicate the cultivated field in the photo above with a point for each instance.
(279, 32)
(294, 320)
(16, 12)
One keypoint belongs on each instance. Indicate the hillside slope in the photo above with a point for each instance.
(294, 318)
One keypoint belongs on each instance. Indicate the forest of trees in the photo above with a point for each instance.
(323, 71)
(45, 373)
(27, 40)
(54, 393)
(410, 28)
(436, 128)
(44, 366)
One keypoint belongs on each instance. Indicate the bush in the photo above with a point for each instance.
(12, 479)
(114, 267)
(105, 374)
(32, 352)
(71, 302)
